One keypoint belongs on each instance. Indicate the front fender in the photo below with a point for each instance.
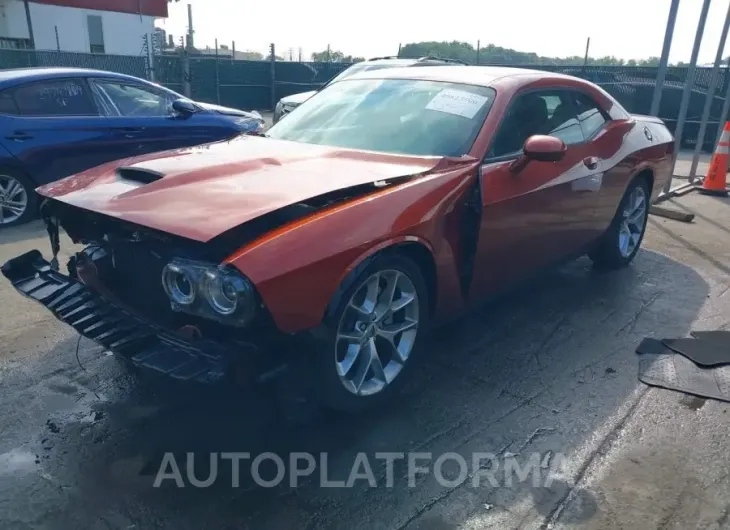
(298, 268)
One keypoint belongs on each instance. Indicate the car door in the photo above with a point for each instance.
(546, 211)
(142, 120)
(54, 129)
(605, 138)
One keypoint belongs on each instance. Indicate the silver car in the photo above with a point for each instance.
(289, 103)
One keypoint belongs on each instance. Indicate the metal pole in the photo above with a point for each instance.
(58, 42)
(272, 59)
(217, 76)
(150, 57)
(30, 24)
(710, 98)
(399, 46)
(725, 109)
(478, 48)
(684, 104)
(233, 51)
(588, 46)
(664, 61)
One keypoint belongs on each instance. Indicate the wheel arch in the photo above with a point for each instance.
(414, 248)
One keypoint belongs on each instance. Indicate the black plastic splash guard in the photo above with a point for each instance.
(123, 333)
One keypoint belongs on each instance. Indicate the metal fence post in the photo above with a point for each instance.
(150, 57)
(58, 42)
(664, 61)
(272, 62)
(709, 98)
(684, 104)
(185, 72)
(725, 105)
(217, 76)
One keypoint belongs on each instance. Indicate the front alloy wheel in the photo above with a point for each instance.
(377, 332)
(13, 200)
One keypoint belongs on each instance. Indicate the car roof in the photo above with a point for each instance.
(23, 75)
(469, 75)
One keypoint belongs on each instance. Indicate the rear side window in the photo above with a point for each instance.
(590, 115)
(67, 97)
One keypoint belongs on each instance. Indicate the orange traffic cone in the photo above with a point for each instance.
(715, 183)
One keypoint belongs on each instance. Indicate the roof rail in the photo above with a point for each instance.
(442, 59)
(386, 57)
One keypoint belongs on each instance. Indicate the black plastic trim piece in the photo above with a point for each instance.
(124, 334)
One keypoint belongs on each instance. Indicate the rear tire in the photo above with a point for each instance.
(18, 200)
(621, 242)
(362, 360)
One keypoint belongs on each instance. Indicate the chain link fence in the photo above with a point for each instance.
(260, 84)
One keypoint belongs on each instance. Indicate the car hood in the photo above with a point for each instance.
(201, 192)
(229, 111)
(297, 99)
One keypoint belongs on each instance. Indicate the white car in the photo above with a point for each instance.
(289, 103)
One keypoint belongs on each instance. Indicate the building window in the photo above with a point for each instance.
(96, 34)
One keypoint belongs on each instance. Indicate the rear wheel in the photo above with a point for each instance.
(622, 240)
(373, 335)
(17, 198)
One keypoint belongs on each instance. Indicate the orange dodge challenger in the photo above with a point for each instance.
(385, 204)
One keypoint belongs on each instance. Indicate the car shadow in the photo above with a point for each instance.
(540, 371)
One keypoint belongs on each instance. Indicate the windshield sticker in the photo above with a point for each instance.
(458, 102)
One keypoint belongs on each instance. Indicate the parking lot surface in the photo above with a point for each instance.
(550, 370)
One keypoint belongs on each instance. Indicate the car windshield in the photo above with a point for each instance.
(403, 116)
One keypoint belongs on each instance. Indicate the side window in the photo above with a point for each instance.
(65, 97)
(547, 112)
(134, 100)
(589, 114)
(7, 103)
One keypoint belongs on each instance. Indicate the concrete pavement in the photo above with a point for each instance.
(549, 370)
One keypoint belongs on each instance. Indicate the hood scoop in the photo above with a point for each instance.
(145, 176)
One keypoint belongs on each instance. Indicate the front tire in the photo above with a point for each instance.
(621, 242)
(373, 335)
(17, 198)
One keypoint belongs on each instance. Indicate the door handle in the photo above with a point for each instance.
(19, 136)
(591, 162)
(129, 132)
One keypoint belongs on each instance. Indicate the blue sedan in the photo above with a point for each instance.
(56, 122)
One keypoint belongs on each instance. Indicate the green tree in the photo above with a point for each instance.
(491, 54)
(328, 56)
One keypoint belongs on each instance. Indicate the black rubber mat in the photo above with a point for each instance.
(705, 352)
(719, 335)
(676, 372)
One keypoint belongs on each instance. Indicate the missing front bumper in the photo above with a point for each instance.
(126, 335)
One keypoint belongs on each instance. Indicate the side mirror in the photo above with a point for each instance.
(544, 148)
(184, 107)
(539, 148)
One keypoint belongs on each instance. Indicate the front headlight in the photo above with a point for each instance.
(249, 124)
(209, 291)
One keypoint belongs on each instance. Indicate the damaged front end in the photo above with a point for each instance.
(158, 301)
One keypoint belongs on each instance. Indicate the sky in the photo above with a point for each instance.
(629, 29)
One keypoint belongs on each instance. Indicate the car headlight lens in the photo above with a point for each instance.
(209, 291)
(249, 124)
(179, 284)
(228, 292)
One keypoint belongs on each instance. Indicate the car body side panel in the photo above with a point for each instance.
(298, 269)
(636, 152)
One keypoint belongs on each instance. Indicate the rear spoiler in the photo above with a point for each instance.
(649, 119)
